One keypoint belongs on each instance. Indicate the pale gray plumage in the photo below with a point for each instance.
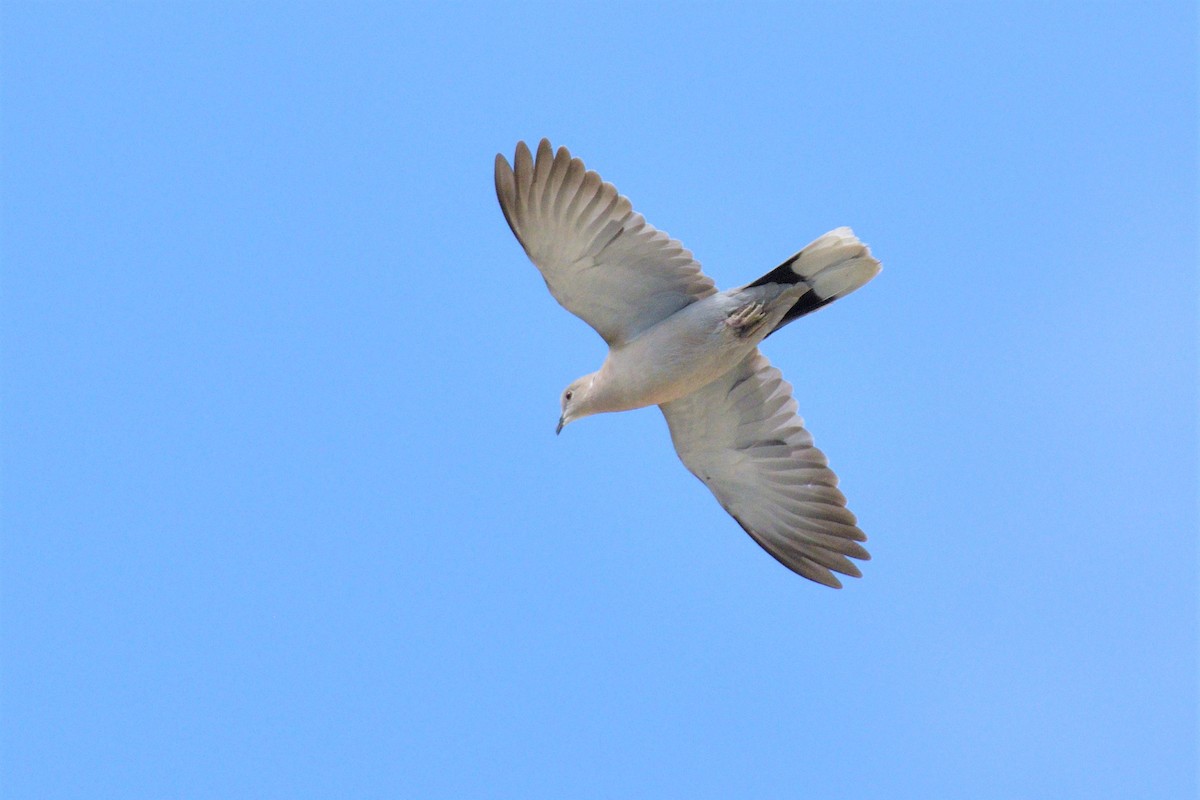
(741, 436)
(568, 219)
(677, 342)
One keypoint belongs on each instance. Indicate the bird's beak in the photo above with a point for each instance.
(558, 430)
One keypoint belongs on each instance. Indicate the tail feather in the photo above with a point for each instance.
(833, 266)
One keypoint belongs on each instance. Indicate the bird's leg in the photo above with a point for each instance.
(746, 319)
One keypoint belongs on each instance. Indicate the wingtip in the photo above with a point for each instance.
(828, 579)
(506, 190)
(522, 159)
(544, 145)
(801, 565)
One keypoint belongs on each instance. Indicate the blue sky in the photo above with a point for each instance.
(283, 510)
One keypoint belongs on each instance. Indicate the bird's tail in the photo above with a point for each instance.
(833, 266)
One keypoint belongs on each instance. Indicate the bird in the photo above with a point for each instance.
(677, 342)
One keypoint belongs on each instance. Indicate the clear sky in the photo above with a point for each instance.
(284, 514)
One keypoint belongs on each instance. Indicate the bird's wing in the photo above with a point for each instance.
(599, 257)
(741, 436)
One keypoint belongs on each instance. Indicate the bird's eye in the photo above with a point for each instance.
(567, 396)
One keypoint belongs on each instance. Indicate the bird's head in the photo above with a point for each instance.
(576, 401)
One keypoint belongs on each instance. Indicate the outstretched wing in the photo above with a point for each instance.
(599, 257)
(741, 436)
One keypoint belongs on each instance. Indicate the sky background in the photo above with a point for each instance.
(283, 510)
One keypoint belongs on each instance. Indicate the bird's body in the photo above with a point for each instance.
(689, 349)
(677, 342)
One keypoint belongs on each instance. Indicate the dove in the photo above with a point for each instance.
(677, 342)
